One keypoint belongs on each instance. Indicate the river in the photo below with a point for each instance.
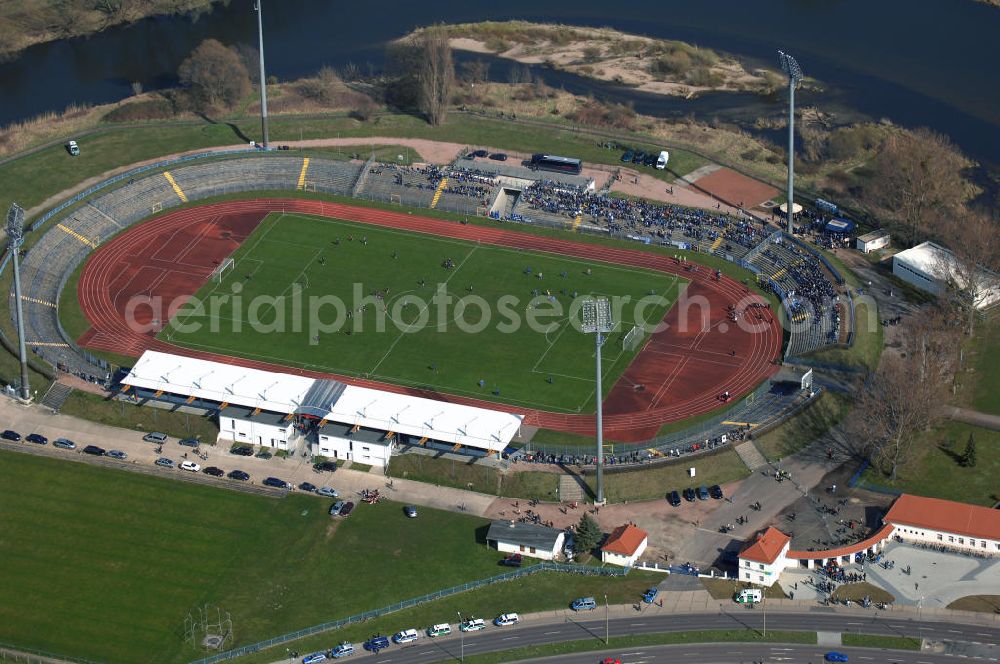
(929, 63)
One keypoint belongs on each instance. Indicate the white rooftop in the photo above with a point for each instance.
(929, 258)
(468, 426)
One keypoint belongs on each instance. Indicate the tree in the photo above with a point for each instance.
(215, 75)
(436, 74)
(975, 241)
(917, 181)
(898, 401)
(969, 455)
(588, 534)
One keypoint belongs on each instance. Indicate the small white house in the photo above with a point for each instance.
(254, 426)
(527, 539)
(354, 443)
(625, 545)
(765, 559)
(873, 241)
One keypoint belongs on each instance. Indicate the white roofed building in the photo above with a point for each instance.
(931, 267)
(290, 412)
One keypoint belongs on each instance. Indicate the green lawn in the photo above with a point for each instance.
(653, 482)
(816, 419)
(935, 472)
(92, 554)
(477, 477)
(864, 353)
(881, 641)
(984, 360)
(494, 325)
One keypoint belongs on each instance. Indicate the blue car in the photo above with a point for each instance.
(834, 656)
(345, 649)
(650, 595)
(314, 658)
(377, 643)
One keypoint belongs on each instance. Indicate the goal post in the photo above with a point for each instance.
(219, 273)
(632, 339)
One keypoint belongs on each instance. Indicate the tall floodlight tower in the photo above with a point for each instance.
(15, 238)
(791, 67)
(263, 78)
(597, 321)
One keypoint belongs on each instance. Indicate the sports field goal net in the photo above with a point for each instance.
(632, 339)
(219, 273)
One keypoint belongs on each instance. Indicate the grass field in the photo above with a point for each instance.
(980, 603)
(476, 477)
(653, 482)
(394, 323)
(92, 554)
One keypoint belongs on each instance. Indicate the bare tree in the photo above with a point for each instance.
(917, 181)
(476, 71)
(215, 75)
(902, 398)
(973, 275)
(436, 75)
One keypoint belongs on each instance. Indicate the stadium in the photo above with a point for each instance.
(310, 226)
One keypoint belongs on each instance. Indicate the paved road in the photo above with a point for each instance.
(744, 653)
(564, 626)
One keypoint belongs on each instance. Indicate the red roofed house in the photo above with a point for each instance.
(625, 545)
(947, 523)
(765, 559)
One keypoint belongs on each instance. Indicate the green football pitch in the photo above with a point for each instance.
(420, 310)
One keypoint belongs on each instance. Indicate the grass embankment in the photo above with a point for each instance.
(475, 477)
(980, 603)
(728, 589)
(653, 482)
(824, 413)
(852, 640)
(866, 350)
(983, 358)
(93, 553)
(935, 471)
(139, 418)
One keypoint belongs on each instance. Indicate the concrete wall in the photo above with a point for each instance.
(254, 433)
(336, 447)
(507, 547)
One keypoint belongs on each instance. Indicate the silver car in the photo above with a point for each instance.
(327, 491)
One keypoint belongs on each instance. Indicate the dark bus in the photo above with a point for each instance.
(548, 162)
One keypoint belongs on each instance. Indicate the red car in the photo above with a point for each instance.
(611, 660)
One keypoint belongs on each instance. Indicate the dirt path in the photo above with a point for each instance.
(634, 183)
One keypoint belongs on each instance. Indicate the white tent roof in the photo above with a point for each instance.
(285, 393)
(938, 262)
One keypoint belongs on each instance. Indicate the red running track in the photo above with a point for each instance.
(679, 373)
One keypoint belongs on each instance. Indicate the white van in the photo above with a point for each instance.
(406, 636)
(750, 596)
(662, 160)
(443, 629)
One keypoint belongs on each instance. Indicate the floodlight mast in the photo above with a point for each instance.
(15, 238)
(790, 66)
(597, 320)
(263, 77)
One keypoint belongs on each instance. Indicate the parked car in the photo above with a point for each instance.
(264, 454)
(715, 491)
(336, 507)
(377, 643)
(325, 466)
(277, 483)
(650, 595)
(627, 157)
(689, 494)
(410, 511)
(480, 153)
(650, 159)
(94, 449)
(406, 636)
(189, 442)
(584, 604)
(472, 625)
(327, 491)
(703, 492)
(37, 439)
(155, 437)
(343, 650)
(73, 149)
(442, 629)
(163, 462)
(674, 498)
(213, 471)
(314, 658)
(639, 157)
(242, 450)
(191, 466)
(117, 455)
(347, 508)
(64, 443)
(506, 619)
(9, 434)
(308, 486)
(499, 156)
(834, 656)
(238, 475)
(512, 560)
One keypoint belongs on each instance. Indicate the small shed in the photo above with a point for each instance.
(873, 241)
(528, 539)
